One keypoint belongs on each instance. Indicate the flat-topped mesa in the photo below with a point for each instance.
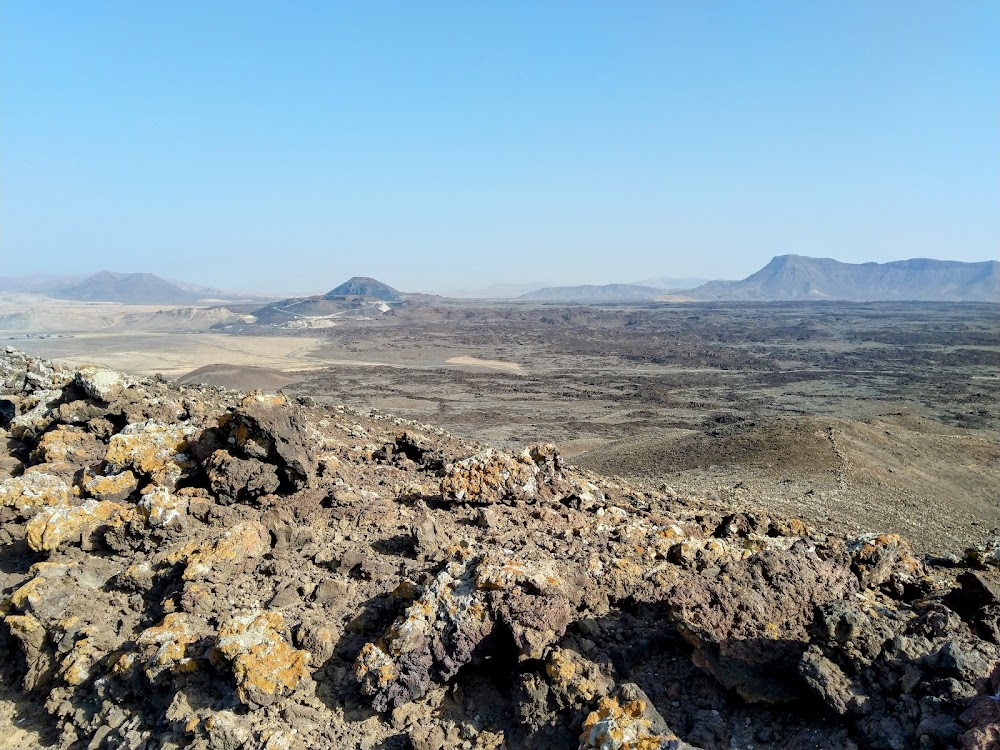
(187, 566)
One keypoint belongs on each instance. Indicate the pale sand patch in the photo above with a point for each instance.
(491, 363)
(173, 355)
(177, 354)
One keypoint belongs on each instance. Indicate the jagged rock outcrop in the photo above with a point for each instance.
(193, 567)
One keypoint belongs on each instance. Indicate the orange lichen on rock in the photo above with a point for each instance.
(265, 666)
(576, 677)
(153, 449)
(78, 666)
(884, 559)
(65, 443)
(248, 540)
(34, 490)
(53, 526)
(168, 647)
(489, 476)
(114, 487)
(614, 726)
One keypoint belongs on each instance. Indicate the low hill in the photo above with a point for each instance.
(796, 277)
(184, 319)
(594, 294)
(239, 377)
(364, 286)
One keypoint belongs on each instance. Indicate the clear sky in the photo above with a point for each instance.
(286, 146)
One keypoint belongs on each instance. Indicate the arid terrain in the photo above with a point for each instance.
(879, 416)
(187, 566)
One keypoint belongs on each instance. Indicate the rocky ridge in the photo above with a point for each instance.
(186, 566)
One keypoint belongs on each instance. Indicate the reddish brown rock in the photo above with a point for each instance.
(750, 623)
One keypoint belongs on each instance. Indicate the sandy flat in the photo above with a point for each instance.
(173, 355)
(176, 354)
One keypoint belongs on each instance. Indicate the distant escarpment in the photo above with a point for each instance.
(795, 277)
(191, 567)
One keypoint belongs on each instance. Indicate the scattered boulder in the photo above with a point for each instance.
(53, 526)
(236, 480)
(749, 624)
(441, 630)
(495, 477)
(100, 383)
(153, 450)
(264, 665)
(269, 428)
(112, 487)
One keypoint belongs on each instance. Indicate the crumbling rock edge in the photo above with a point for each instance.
(193, 567)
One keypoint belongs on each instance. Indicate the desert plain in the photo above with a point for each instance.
(853, 416)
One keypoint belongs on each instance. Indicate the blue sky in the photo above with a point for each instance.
(286, 146)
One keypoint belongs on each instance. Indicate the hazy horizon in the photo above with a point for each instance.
(455, 146)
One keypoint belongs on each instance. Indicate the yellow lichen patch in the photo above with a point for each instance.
(575, 676)
(153, 449)
(374, 668)
(616, 727)
(195, 596)
(64, 444)
(34, 490)
(560, 668)
(27, 629)
(627, 567)
(53, 526)
(112, 487)
(136, 575)
(78, 666)
(244, 541)
(178, 554)
(265, 399)
(123, 663)
(264, 665)
(168, 646)
(673, 531)
(29, 595)
(879, 558)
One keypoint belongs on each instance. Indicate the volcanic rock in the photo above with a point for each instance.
(186, 566)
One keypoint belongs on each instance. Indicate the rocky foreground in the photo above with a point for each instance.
(193, 567)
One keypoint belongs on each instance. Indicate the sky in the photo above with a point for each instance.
(441, 146)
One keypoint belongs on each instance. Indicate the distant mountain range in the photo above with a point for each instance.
(124, 288)
(796, 277)
(672, 283)
(129, 289)
(591, 294)
(784, 278)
